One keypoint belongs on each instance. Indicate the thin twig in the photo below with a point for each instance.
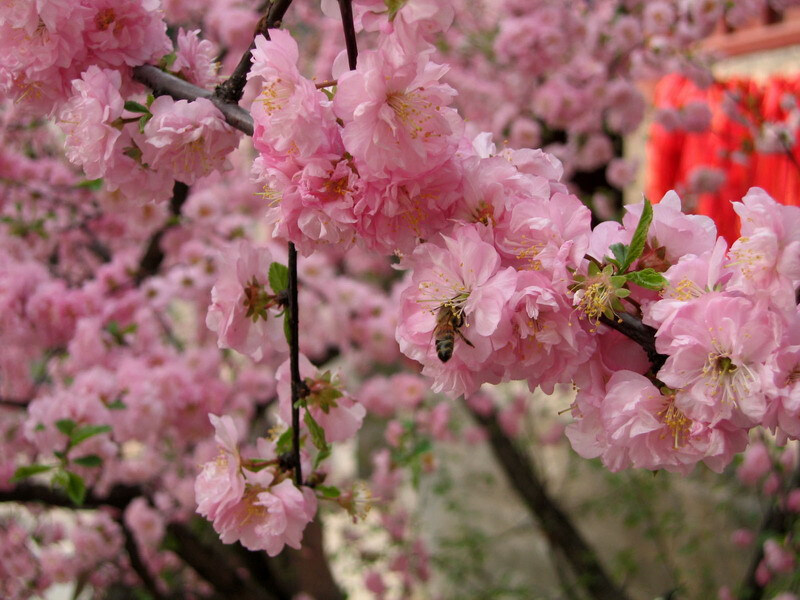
(137, 564)
(230, 91)
(153, 255)
(294, 362)
(346, 8)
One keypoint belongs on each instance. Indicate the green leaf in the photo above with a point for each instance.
(287, 328)
(132, 106)
(169, 59)
(322, 455)
(117, 405)
(66, 426)
(620, 252)
(143, 121)
(28, 471)
(90, 460)
(639, 236)
(329, 92)
(317, 432)
(278, 277)
(284, 443)
(75, 488)
(648, 278)
(91, 184)
(328, 491)
(84, 433)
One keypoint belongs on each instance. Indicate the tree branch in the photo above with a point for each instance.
(346, 8)
(163, 83)
(230, 91)
(137, 564)
(555, 524)
(298, 388)
(153, 256)
(642, 334)
(210, 564)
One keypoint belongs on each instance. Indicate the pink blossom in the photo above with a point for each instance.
(126, 32)
(187, 139)
(678, 233)
(696, 117)
(621, 173)
(793, 500)
(755, 465)
(742, 538)
(778, 558)
(463, 275)
(88, 120)
(718, 347)
(766, 259)
(194, 59)
(396, 115)
(337, 413)
(243, 306)
(268, 516)
(220, 485)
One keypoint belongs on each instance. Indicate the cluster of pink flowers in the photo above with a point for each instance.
(246, 501)
(48, 44)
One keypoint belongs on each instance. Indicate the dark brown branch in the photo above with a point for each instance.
(153, 255)
(119, 496)
(137, 564)
(346, 8)
(215, 567)
(294, 361)
(557, 527)
(642, 334)
(209, 563)
(230, 91)
(163, 83)
(21, 403)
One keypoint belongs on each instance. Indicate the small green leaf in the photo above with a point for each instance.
(620, 252)
(648, 278)
(169, 59)
(91, 184)
(322, 455)
(618, 280)
(329, 92)
(143, 121)
(317, 432)
(66, 426)
(84, 433)
(287, 328)
(622, 293)
(593, 269)
(28, 471)
(284, 443)
(328, 491)
(90, 460)
(75, 488)
(132, 106)
(639, 236)
(117, 405)
(278, 277)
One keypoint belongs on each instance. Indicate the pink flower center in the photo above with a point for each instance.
(677, 423)
(104, 18)
(413, 110)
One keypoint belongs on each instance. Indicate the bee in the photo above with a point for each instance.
(448, 324)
